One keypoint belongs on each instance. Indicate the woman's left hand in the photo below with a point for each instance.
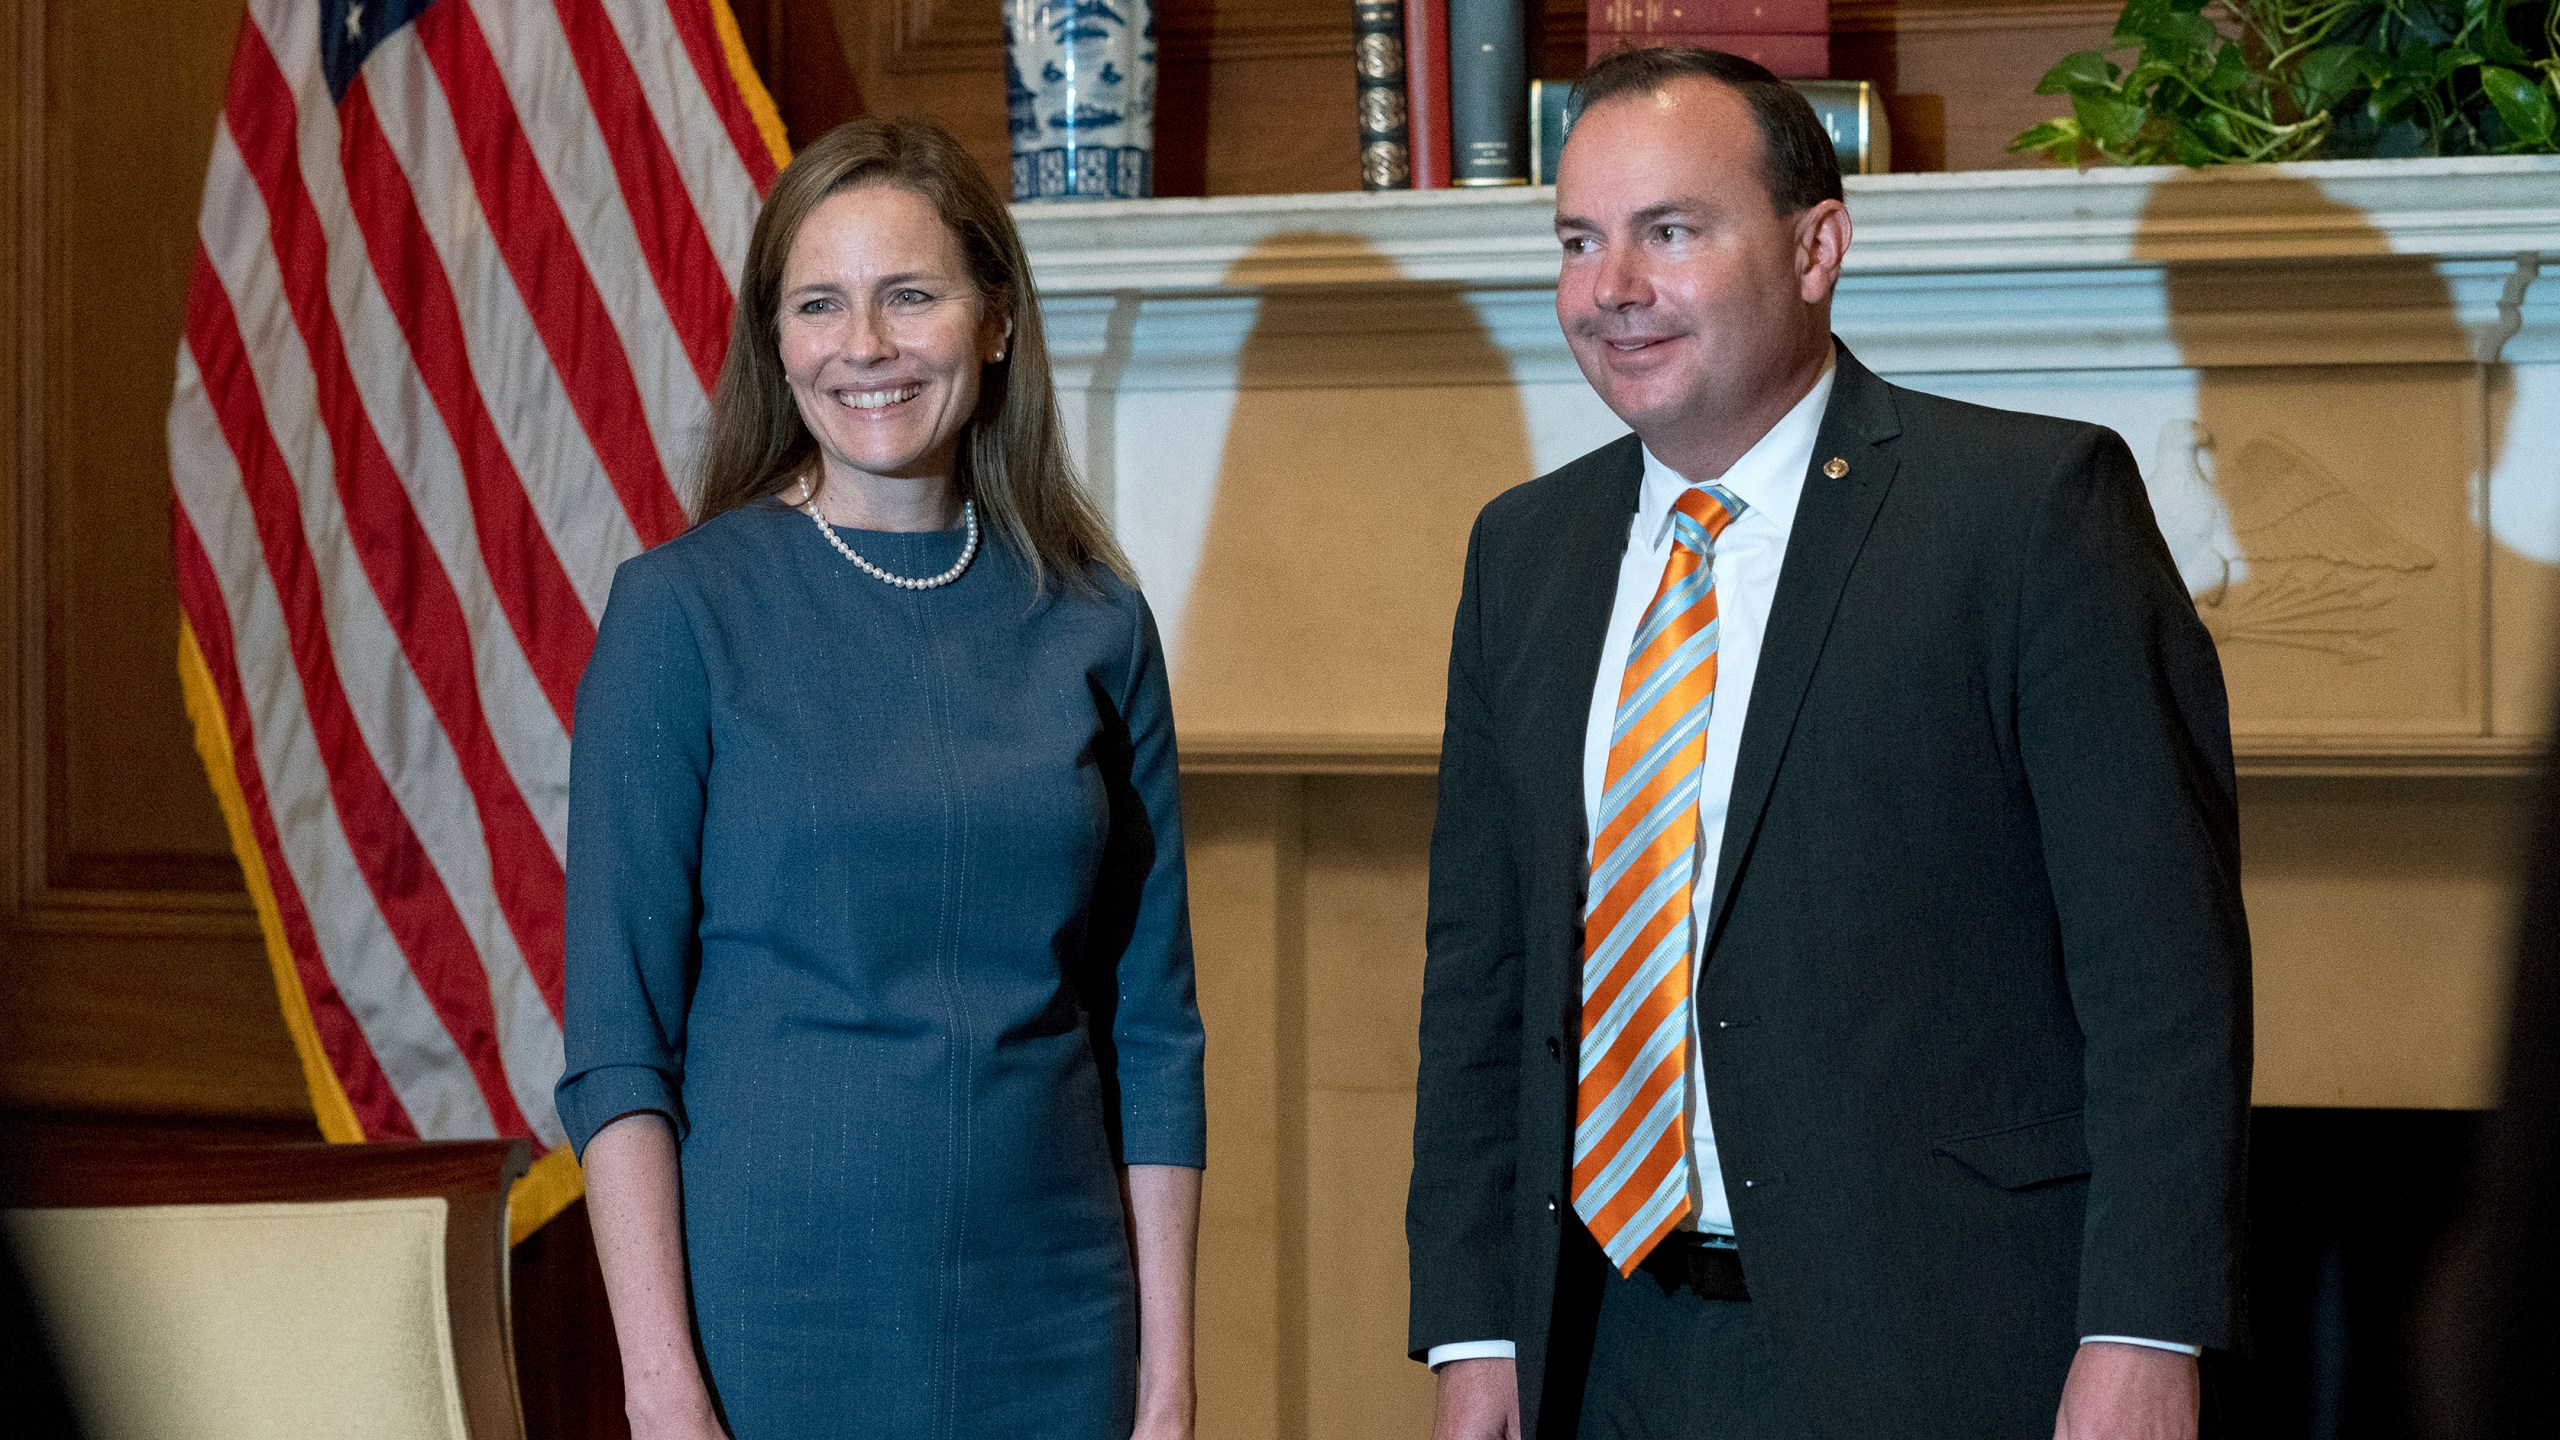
(1164, 1221)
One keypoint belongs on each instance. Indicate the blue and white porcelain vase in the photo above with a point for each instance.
(1080, 93)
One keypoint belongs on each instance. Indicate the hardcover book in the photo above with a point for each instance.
(1851, 112)
(1488, 92)
(1377, 51)
(1426, 90)
(1789, 57)
(1711, 17)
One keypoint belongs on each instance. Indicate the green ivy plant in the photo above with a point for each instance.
(2217, 81)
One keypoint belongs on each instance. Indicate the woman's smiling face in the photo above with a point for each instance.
(884, 335)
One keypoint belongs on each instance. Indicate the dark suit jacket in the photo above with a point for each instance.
(1975, 1008)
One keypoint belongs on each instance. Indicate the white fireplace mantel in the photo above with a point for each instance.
(2344, 379)
(1980, 221)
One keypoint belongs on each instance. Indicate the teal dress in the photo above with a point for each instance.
(878, 896)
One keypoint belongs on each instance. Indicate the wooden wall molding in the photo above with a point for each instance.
(132, 978)
(21, 438)
(55, 884)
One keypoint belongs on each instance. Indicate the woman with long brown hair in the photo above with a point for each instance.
(883, 1057)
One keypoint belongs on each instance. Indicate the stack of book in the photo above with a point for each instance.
(1445, 95)
(1791, 37)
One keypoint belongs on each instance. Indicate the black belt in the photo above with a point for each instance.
(1707, 1264)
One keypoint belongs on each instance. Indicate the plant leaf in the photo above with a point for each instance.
(2328, 73)
(2141, 21)
(2230, 69)
(2491, 39)
(2139, 80)
(2182, 38)
(2521, 104)
(2110, 121)
(2190, 151)
(2054, 137)
(2082, 72)
(2215, 127)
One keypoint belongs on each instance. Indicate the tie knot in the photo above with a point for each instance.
(1701, 513)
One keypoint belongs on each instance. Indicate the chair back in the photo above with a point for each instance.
(273, 1292)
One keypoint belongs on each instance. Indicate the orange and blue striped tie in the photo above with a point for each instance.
(1631, 1131)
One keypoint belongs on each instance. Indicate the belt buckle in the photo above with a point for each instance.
(1713, 1263)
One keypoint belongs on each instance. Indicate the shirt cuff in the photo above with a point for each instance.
(1439, 1355)
(593, 1099)
(2146, 1344)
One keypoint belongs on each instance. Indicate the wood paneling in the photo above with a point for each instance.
(1255, 96)
(1960, 75)
(135, 978)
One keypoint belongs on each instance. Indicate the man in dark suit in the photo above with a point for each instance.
(1836, 1014)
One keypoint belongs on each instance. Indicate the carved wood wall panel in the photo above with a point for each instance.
(134, 977)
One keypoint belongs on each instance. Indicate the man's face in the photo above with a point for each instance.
(1686, 296)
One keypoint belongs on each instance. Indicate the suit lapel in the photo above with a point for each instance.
(1571, 626)
(1831, 525)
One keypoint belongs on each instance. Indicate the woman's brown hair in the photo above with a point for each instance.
(1013, 454)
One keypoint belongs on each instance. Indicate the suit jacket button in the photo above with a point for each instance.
(1551, 1205)
(1555, 1051)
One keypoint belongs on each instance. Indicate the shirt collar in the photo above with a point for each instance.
(1769, 477)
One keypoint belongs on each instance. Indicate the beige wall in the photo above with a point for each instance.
(1307, 898)
(2380, 909)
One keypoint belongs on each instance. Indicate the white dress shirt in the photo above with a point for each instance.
(1769, 479)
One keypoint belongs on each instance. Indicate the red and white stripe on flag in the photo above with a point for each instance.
(463, 285)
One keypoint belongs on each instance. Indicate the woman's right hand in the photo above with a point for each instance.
(673, 1418)
(633, 1199)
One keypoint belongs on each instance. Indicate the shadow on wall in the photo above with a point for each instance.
(2320, 515)
(1367, 432)
(1364, 436)
(2322, 510)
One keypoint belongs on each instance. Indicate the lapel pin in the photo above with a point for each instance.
(1835, 467)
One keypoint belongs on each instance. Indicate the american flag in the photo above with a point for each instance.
(462, 287)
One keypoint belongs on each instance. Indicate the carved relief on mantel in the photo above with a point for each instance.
(2322, 521)
(2276, 550)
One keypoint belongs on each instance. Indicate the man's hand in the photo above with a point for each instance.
(1477, 1400)
(2128, 1392)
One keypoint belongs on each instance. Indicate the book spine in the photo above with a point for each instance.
(1489, 92)
(1426, 90)
(1710, 17)
(1377, 49)
(1789, 57)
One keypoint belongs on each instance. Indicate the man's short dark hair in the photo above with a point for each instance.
(1797, 161)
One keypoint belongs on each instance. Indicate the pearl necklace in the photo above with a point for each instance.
(968, 550)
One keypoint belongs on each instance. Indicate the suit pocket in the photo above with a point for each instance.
(2020, 1157)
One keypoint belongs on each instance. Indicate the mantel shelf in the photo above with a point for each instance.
(1976, 221)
